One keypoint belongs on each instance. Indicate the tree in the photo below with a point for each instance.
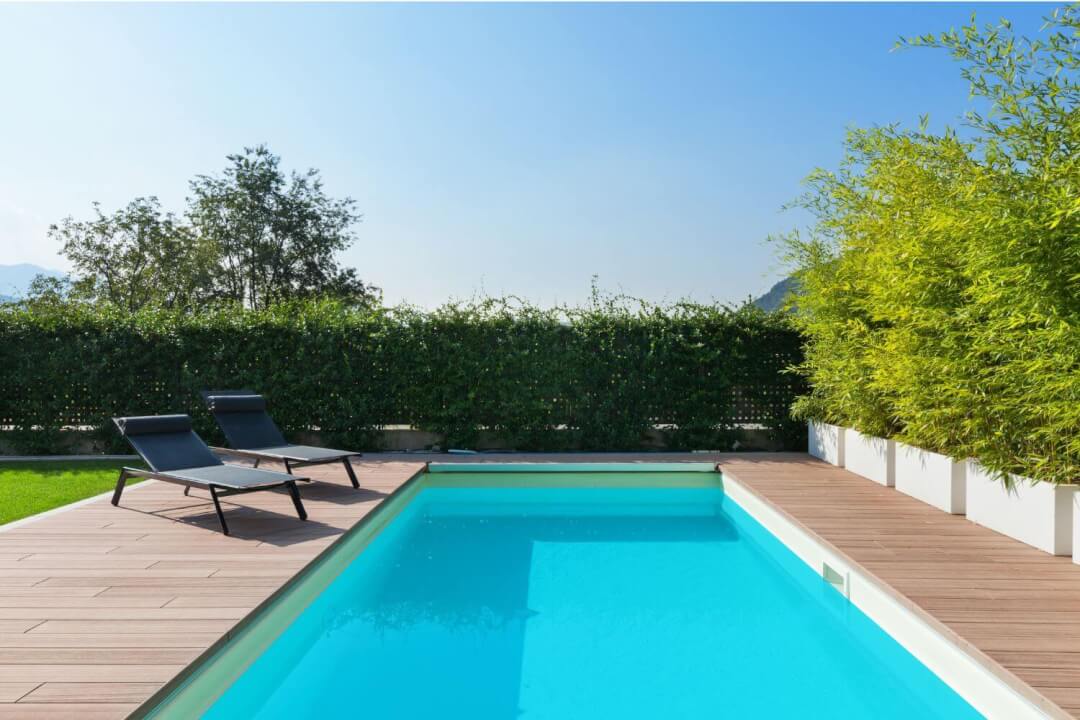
(47, 290)
(276, 237)
(137, 256)
(251, 235)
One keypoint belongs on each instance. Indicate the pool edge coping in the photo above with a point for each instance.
(955, 660)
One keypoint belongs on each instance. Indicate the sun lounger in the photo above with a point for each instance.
(251, 433)
(175, 454)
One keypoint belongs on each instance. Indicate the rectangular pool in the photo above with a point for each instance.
(492, 596)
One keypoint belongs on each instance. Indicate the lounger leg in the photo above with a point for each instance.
(352, 475)
(220, 515)
(288, 468)
(187, 490)
(295, 494)
(256, 462)
(120, 483)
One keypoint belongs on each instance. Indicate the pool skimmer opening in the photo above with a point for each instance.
(840, 581)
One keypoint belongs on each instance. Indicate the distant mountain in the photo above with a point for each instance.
(15, 279)
(774, 299)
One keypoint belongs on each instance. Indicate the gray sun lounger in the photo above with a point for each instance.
(251, 433)
(176, 454)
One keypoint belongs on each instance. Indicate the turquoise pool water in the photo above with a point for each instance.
(553, 604)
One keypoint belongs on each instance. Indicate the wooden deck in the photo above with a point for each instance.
(102, 606)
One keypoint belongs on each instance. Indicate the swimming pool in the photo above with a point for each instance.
(487, 594)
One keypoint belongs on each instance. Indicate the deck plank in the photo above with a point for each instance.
(89, 693)
(65, 711)
(14, 691)
(87, 673)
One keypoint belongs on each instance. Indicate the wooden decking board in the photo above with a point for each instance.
(101, 606)
(252, 587)
(14, 691)
(216, 601)
(64, 711)
(90, 626)
(121, 614)
(89, 692)
(88, 673)
(50, 600)
(97, 640)
(97, 656)
(44, 592)
(22, 581)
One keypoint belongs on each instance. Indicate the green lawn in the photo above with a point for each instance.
(27, 488)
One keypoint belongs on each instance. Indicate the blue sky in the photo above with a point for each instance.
(515, 149)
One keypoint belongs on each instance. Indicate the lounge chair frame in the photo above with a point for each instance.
(216, 491)
(258, 455)
(196, 447)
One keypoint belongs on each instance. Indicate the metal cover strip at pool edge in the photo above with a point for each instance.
(542, 467)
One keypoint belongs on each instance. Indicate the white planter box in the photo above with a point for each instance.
(872, 457)
(935, 479)
(1039, 514)
(1076, 527)
(826, 442)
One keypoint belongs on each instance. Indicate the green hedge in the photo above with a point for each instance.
(595, 378)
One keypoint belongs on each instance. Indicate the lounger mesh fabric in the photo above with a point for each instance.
(154, 424)
(237, 403)
(304, 453)
(232, 476)
(167, 442)
(176, 454)
(252, 433)
(245, 428)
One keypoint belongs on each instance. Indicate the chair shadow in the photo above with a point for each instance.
(339, 492)
(246, 522)
(303, 531)
(322, 491)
